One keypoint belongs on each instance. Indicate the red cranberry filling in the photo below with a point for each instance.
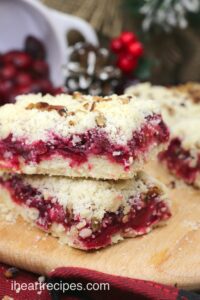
(140, 220)
(49, 210)
(79, 147)
(146, 210)
(179, 161)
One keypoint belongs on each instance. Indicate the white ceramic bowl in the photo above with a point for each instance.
(20, 18)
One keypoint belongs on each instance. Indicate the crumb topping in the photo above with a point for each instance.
(190, 88)
(173, 104)
(36, 117)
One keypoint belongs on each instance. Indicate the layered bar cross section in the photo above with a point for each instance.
(80, 136)
(87, 214)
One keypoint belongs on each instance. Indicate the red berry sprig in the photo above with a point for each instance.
(128, 49)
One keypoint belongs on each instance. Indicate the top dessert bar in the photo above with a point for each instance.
(80, 136)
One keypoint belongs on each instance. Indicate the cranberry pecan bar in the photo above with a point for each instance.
(181, 112)
(80, 136)
(173, 103)
(87, 214)
(192, 89)
(183, 154)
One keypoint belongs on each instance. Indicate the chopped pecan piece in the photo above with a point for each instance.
(98, 98)
(72, 123)
(61, 110)
(153, 192)
(125, 100)
(100, 120)
(93, 106)
(77, 96)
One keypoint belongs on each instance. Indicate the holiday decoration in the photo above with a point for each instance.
(128, 50)
(99, 71)
(25, 71)
(90, 70)
(170, 30)
(165, 15)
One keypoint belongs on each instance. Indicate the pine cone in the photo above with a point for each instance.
(90, 71)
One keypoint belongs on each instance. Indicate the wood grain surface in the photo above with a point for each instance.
(170, 254)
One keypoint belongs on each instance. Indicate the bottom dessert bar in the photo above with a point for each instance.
(87, 214)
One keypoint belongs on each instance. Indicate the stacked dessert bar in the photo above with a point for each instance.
(72, 165)
(181, 112)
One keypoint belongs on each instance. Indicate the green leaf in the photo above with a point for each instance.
(143, 71)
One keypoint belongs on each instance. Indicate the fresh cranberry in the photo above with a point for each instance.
(46, 85)
(35, 48)
(42, 85)
(8, 56)
(5, 88)
(126, 63)
(127, 37)
(24, 79)
(59, 90)
(8, 72)
(40, 68)
(116, 45)
(20, 59)
(22, 89)
(1, 60)
(136, 49)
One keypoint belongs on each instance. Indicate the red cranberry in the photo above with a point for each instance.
(127, 37)
(35, 87)
(8, 72)
(35, 48)
(126, 63)
(23, 79)
(59, 90)
(1, 60)
(136, 49)
(40, 68)
(5, 88)
(21, 89)
(57, 214)
(46, 86)
(41, 86)
(116, 45)
(20, 59)
(8, 56)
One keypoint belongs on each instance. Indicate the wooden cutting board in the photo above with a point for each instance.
(169, 255)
